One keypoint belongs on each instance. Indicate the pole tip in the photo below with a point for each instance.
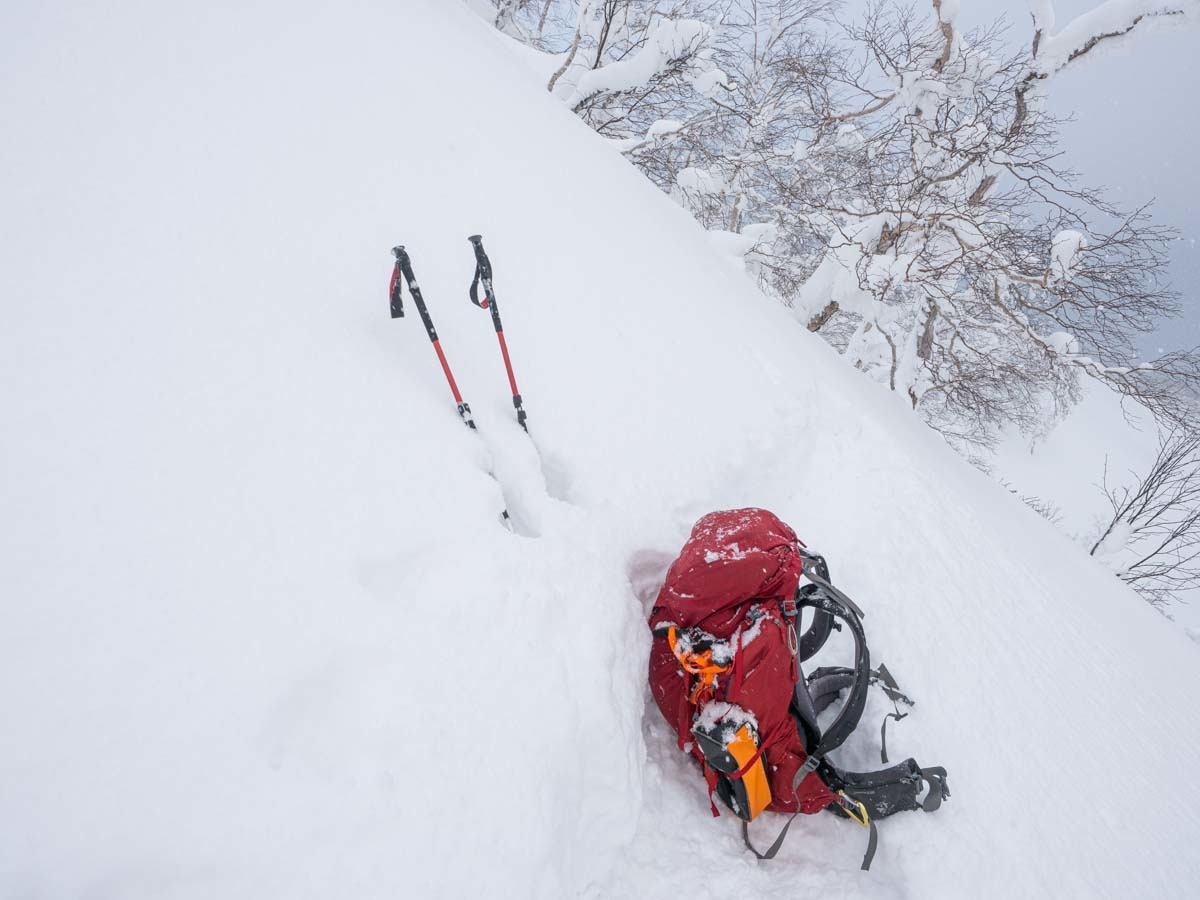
(475, 238)
(398, 250)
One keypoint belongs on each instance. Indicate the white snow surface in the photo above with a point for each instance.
(262, 633)
(1066, 467)
(1101, 439)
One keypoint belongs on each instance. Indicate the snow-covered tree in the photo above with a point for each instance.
(964, 267)
(627, 60)
(737, 155)
(897, 182)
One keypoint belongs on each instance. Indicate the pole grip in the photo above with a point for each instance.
(481, 257)
(405, 265)
(395, 292)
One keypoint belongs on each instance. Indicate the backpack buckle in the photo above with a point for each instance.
(789, 607)
(855, 809)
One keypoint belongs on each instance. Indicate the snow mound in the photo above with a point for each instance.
(263, 635)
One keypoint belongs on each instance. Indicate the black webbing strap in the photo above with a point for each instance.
(872, 846)
(810, 765)
(897, 715)
(837, 594)
(891, 690)
(770, 852)
(883, 677)
(483, 275)
(868, 857)
(778, 842)
(474, 291)
(858, 811)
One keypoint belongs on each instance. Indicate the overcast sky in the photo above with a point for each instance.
(1135, 128)
(1136, 131)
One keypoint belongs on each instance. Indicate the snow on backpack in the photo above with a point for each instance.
(726, 670)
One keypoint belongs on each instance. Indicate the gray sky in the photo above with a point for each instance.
(1135, 131)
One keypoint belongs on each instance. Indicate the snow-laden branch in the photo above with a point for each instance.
(1107, 25)
(947, 11)
(668, 41)
(897, 182)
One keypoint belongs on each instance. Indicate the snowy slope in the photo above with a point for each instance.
(262, 634)
(1065, 470)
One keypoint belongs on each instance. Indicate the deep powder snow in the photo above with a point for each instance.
(262, 633)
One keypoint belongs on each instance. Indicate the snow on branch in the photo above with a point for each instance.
(667, 42)
(1107, 24)
(946, 11)
(897, 182)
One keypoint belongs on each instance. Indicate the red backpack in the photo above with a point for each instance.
(726, 672)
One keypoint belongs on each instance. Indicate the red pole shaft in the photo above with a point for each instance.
(437, 346)
(512, 380)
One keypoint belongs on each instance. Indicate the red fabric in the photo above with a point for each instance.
(733, 559)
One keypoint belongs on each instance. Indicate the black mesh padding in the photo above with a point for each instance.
(885, 792)
(825, 683)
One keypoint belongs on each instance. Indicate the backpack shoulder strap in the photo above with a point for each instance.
(857, 678)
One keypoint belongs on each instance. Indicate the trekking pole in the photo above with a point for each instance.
(483, 273)
(404, 266)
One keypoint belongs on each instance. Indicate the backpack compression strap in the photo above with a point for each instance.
(852, 808)
(891, 690)
(833, 604)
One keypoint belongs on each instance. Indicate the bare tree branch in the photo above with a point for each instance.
(1153, 535)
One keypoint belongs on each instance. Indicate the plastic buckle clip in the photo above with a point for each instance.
(854, 809)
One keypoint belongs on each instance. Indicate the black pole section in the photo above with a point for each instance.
(483, 274)
(404, 267)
